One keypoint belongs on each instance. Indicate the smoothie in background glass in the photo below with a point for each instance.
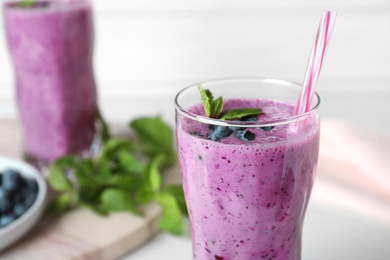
(247, 189)
(51, 46)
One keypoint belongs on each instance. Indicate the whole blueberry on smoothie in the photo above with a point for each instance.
(51, 46)
(247, 174)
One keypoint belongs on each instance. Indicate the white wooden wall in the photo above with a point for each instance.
(146, 50)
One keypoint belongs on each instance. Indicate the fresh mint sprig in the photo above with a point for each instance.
(240, 113)
(214, 107)
(126, 174)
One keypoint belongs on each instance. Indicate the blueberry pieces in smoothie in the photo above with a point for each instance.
(254, 119)
(195, 133)
(219, 133)
(249, 119)
(241, 133)
(267, 128)
(224, 131)
(235, 128)
(245, 135)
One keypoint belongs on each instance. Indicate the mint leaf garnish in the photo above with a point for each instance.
(240, 113)
(212, 108)
(126, 174)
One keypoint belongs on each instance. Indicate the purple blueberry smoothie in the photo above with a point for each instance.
(247, 198)
(51, 45)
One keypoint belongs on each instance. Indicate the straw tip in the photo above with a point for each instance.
(333, 13)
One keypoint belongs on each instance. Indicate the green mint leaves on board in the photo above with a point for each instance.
(126, 174)
(214, 107)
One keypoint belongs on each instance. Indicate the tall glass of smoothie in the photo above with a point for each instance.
(247, 181)
(51, 47)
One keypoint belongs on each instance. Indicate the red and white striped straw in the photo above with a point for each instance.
(316, 59)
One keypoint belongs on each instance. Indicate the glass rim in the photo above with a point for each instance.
(249, 124)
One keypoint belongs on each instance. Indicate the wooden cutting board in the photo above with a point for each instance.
(79, 234)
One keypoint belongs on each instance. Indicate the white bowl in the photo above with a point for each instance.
(20, 226)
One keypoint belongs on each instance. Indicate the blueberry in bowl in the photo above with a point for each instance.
(22, 199)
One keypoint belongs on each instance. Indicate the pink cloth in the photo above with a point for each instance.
(354, 169)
